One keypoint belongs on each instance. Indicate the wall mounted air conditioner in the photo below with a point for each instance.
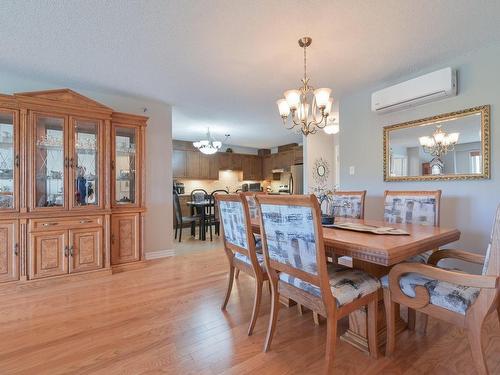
(429, 87)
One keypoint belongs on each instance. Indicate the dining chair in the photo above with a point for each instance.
(197, 195)
(453, 296)
(212, 216)
(252, 208)
(295, 259)
(181, 220)
(346, 204)
(240, 249)
(413, 207)
(349, 204)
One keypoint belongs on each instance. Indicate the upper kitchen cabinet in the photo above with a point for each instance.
(127, 164)
(179, 163)
(9, 160)
(252, 167)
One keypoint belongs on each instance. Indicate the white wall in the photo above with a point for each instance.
(316, 146)
(466, 205)
(158, 231)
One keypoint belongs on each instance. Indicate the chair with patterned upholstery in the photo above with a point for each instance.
(252, 208)
(294, 254)
(239, 245)
(413, 207)
(349, 204)
(454, 296)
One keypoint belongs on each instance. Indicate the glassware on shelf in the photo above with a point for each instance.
(86, 162)
(7, 160)
(49, 161)
(125, 165)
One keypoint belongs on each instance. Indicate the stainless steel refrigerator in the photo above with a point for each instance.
(296, 183)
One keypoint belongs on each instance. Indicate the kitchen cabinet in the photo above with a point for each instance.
(9, 251)
(179, 163)
(125, 238)
(252, 167)
(193, 164)
(298, 155)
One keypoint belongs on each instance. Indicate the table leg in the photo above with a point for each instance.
(356, 334)
(203, 218)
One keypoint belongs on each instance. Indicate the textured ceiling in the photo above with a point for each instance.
(224, 63)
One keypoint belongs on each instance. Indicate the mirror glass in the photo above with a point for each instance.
(447, 146)
(321, 170)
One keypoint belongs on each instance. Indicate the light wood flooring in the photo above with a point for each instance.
(166, 319)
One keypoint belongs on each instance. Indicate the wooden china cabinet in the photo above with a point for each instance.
(71, 186)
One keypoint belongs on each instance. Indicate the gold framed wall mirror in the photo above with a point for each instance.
(450, 146)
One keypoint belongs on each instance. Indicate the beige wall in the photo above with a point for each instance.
(158, 231)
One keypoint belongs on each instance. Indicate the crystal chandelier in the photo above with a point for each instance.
(309, 108)
(440, 143)
(209, 146)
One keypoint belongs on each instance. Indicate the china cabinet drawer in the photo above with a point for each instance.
(65, 223)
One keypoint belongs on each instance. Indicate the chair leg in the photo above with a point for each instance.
(273, 318)
(210, 225)
(176, 227)
(412, 317)
(390, 314)
(229, 287)
(237, 274)
(424, 318)
(256, 305)
(193, 228)
(299, 309)
(474, 335)
(372, 327)
(331, 342)
(316, 318)
(180, 232)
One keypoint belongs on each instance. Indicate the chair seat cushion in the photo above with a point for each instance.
(243, 258)
(420, 258)
(453, 297)
(346, 284)
(258, 242)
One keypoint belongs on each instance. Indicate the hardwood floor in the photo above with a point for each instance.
(166, 319)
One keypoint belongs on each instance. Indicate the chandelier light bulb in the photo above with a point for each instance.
(292, 98)
(322, 96)
(332, 128)
(453, 137)
(283, 107)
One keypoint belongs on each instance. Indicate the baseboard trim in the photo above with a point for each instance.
(159, 254)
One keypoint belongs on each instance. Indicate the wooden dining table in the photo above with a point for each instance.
(376, 254)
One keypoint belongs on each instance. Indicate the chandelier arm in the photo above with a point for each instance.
(291, 127)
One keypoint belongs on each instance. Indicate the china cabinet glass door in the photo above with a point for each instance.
(9, 161)
(85, 162)
(50, 161)
(125, 165)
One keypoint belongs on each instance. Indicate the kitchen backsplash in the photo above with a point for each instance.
(231, 180)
